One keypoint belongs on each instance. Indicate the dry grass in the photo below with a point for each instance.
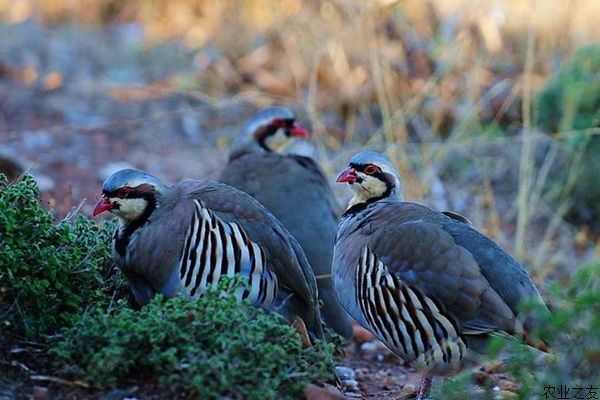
(418, 79)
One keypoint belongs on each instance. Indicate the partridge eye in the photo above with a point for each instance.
(371, 169)
(278, 123)
(124, 192)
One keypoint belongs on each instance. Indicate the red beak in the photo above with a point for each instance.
(348, 176)
(299, 131)
(102, 205)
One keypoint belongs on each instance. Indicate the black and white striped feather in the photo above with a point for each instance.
(214, 249)
(407, 321)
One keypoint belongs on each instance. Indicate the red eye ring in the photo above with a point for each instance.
(279, 123)
(371, 169)
(125, 192)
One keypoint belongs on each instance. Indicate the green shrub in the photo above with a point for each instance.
(571, 99)
(572, 330)
(48, 272)
(210, 348)
(570, 103)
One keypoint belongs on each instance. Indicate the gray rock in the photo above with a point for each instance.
(44, 182)
(116, 394)
(344, 373)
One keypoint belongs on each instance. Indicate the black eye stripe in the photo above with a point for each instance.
(132, 194)
(362, 168)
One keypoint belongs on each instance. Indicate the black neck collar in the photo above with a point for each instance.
(357, 208)
(122, 237)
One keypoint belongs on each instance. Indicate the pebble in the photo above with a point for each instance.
(115, 394)
(409, 388)
(377, 350)
(350, 384)
(344, 373)
(370, 347)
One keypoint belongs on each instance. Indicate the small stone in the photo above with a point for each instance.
(409, 388)
(115, 394)
(344, 373)
(40, 393)
(350, 384)
(373, 346)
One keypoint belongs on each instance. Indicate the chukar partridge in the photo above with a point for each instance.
(425, 283)
(264, 163)
(182, 238)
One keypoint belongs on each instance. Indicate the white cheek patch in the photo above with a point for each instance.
(278, 141)
(369, 187)
(129, 209)
(372, 185)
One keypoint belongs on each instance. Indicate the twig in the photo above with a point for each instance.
(73, 211)
(542, 252)
(16, 364)
(17, 350)
(526, 163)
(60, 381)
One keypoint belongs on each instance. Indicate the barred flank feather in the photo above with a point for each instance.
(406, 320)
(214, 249)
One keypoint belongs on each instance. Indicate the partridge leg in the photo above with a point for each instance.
(424, 389)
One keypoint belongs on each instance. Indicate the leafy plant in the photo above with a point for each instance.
(48, 272)
(571, 99)
(569, 105)
(209, 348)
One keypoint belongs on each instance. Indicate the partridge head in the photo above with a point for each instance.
(372, 177)
(272, 129)
(129, 193)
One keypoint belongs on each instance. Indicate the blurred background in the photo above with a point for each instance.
(488, 108)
